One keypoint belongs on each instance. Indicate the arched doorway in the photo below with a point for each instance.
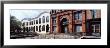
(64, 25)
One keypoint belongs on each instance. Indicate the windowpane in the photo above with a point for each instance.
(47, 19)
(96, 28)
(43, 19)
(93, 12)
(40, 28)
(78, 16)
(43, 28)
(54, 20)
(39, 20)
(78, 28)
(36, 28)
(32, 22)
(36, 21)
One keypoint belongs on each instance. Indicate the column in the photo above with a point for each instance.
(51, 28)
(83, 21)
(57, 24)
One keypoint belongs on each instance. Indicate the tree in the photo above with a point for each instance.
(15, 24)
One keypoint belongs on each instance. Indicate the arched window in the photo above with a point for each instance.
(36, 28)
(47, 19)
(36, 21)
(40, 28)
(47, 28)
(39, 20)
(43, 28)
(32, 22)
(43, 19)
(29, 28)
(27, 24)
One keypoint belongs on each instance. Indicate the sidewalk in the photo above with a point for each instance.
(60, 36)
(52, 36)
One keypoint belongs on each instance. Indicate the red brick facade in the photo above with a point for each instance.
(62, 21)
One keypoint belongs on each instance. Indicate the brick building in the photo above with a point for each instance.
(70, 21)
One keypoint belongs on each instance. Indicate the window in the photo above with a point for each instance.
(27, 23)
(36, 28)
(23, 24)
(78, 16)
(40, 28)
(39, 20)
(36, 21)
(54, 20)
(32, 22)
(78, 28)
(96, 28)
(43, 19)
(93, 12)
(47, 28)
(43, 28)
(47, 19)
(29, 28)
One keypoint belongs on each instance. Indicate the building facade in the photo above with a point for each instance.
(70, 21)
(39, 24)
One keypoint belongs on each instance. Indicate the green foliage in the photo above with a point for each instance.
(15, 24)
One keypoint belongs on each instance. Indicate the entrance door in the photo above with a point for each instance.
(64, 25)
(65, 29)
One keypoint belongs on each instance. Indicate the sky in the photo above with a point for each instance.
(26, 13)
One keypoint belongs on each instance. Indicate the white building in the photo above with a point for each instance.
(39, 24)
